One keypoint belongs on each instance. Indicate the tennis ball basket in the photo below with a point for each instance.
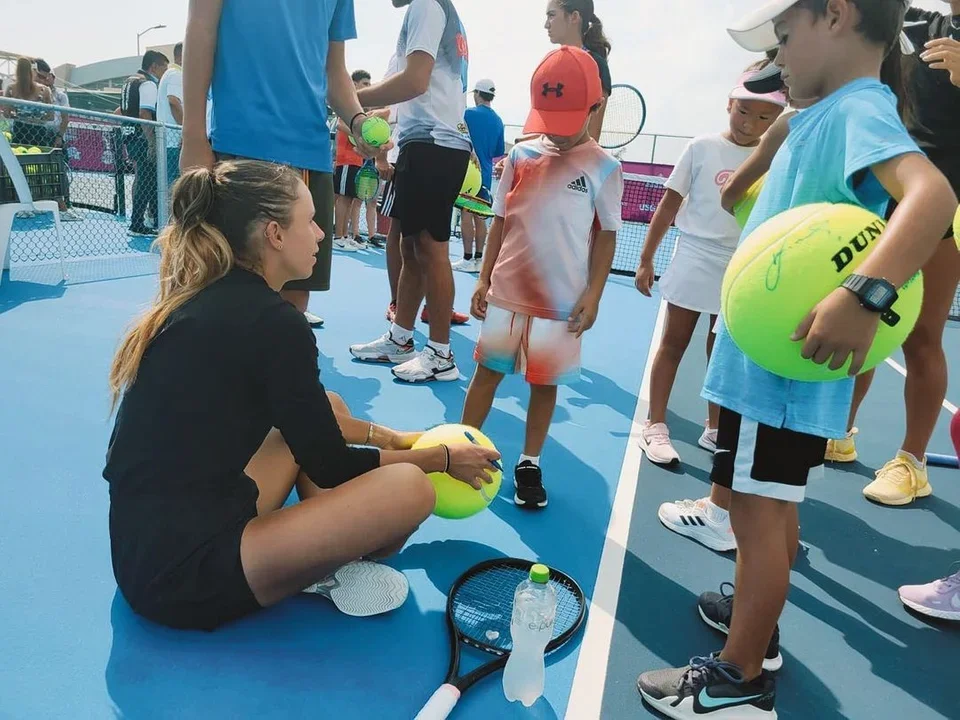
(45, 172)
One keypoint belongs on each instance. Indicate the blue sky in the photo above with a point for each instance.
(675, 51)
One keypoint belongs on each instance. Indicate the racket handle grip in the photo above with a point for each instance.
(440, 705)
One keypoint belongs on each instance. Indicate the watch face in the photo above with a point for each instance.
(877, 295)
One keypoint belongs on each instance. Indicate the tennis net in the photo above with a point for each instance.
(641, 195)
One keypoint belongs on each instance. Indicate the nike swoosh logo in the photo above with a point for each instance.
(713, 703)
(720, 451)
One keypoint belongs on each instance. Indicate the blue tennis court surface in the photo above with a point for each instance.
(72, 648)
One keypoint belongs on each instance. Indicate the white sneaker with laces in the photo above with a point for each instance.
(427, 365)
(384, 350)
(708, 441)
(655, 442)
(313, 320)
(462, 265)
(699, 520)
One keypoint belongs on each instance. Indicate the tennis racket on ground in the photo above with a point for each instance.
(624, 118)
(479, 611)
(367, 184)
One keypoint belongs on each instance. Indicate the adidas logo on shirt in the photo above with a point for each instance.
(580, 185)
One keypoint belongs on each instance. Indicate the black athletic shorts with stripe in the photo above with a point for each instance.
(757, 459)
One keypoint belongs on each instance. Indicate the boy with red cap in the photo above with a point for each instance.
(542, 278)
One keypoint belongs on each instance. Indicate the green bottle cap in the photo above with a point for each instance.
(540, 574)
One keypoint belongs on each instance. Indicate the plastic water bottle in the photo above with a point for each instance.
(534, 610)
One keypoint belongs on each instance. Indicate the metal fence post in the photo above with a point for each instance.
(161, 152)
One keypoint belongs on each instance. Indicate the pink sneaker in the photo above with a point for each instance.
(939, 599)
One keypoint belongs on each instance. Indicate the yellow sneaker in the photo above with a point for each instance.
(899, 482)
(843, 450)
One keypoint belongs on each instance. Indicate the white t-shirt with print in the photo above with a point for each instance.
(434, 27)
(704, 168)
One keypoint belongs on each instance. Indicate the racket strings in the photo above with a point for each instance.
(483, 606)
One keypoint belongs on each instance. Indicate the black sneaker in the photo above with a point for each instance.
(528, 480)
(709, 686)
(716, 610)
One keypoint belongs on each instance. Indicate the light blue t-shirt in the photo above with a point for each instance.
(270, 79)
(828, 145)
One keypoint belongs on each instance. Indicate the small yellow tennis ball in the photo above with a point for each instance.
(375, 131)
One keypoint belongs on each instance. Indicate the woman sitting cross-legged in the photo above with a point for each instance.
(223, 414)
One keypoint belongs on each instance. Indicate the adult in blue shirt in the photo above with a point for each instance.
(273, 68)
(486, 132)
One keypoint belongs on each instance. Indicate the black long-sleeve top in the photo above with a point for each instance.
(232, 363)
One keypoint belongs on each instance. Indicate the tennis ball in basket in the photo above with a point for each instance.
(472, 181)
(34, 151)
(455, 499)
(375, 131)
(745, 205)
(788, 265)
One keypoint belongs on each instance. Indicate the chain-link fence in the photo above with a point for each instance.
(110, 176)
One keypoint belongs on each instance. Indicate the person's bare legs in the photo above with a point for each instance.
(371, 206)
(341, 215)
(467, 233)
(678, 329)
(861, 387)
(410, 285)
(926, 383)
(480, 394)
(394, 259)
(434, 260)
(355, 218)
(479, 235)
(285, 550)
(765, 529)
(543, 401)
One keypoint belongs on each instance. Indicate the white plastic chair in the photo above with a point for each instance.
(26, 204)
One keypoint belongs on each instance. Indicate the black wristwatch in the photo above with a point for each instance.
(876, 295)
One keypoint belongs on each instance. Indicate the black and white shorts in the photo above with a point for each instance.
(388, 199)
(345, 180)
(428, 180)
(756, 459)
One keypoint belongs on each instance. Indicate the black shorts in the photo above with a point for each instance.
(388, 199)
(428, 180)
(345, 180)
(756, 459)
(204, 592)
(321, 188)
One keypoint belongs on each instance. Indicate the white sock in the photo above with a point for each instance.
(400, 335)
(442, 350)
(716, 513)
(529, 459)
(912, 458)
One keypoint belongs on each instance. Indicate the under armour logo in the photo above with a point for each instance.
(558, 90)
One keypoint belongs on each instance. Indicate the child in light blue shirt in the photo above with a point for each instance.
(850, 147)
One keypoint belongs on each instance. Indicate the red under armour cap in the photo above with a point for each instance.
(564, 88)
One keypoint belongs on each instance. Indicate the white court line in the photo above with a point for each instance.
(947, 405)
(586, 695)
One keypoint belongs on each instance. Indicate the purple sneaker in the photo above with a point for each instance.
(939, 599)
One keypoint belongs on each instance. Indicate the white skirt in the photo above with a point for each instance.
(695, 275)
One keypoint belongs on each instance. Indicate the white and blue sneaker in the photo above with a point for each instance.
(709, 688)
(426, 366)
(363, 588)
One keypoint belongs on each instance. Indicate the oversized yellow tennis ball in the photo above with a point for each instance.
(745, 205)
(375, 131)
(956, 229)
(455, 499)
(788, 265)
(472, 181)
